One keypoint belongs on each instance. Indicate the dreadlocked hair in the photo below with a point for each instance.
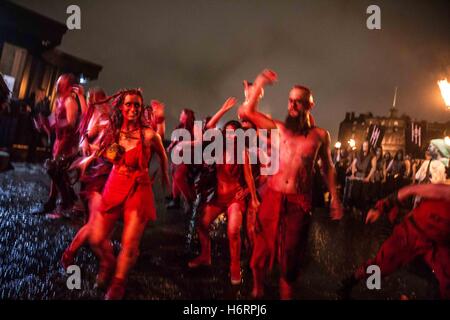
(116, 100)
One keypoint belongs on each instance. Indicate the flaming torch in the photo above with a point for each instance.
(444, 86)
(352, 144)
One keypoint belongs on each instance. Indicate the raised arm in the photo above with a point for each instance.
(248, 111)
(227, 105)
(158, 117)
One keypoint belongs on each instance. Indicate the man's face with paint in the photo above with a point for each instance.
(297, 102)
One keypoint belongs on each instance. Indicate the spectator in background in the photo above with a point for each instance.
(431, 170)
(341, 164)
(408, 169)
(416, 163)
(387, 157)
(357, 185)
(378, 176)
(396, 172)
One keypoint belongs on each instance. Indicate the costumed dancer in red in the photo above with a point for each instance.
(233, 180)
(180, 172)
(285, 213)
(69, 107)
(94, 168)
(128, 192)
(424, 232)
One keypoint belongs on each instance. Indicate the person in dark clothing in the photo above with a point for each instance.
(396, 171)
(378, 176)
(357, 185)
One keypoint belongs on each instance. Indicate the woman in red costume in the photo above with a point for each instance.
(128, 192)
(232, 181)
(180, 172)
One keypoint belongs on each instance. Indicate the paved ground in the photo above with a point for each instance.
(31, 246)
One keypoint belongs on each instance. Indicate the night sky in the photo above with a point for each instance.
(194, 54)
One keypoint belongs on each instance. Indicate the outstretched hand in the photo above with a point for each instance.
(266, 77)
(229, 103)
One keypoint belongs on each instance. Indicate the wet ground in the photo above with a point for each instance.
(31, 246)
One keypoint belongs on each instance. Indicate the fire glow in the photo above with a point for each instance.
(444, 86)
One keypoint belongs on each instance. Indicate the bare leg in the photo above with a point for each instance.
(99, 236)
(134, 227)
(234, 238)
(257, 263)
(181, 183)
(82, 235)
(210, 213)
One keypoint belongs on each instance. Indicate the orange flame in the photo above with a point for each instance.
(445, 91)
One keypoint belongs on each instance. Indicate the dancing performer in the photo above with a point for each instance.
(155, 117)
(204, 181)
(285, 212)
(180, 172)
(70, 105)
(232, 180)
(94, 168)
(424, 232)
(127, 193)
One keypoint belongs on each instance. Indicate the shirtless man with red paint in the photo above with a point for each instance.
(285, 212)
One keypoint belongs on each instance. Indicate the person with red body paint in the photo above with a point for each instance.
(424, 232)
(180, 172)
(231, 180)
(285, 213)
(128, 192)
(69, 108)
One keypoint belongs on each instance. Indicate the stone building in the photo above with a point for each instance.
(400, 132)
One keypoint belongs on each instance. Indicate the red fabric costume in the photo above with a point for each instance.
(283, 223)
(424, 232)
(232, 174)
(129, 187)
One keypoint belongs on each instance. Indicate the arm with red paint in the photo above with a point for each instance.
(424, 191)
(227, 105)
(248, 110)
(158, 114)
